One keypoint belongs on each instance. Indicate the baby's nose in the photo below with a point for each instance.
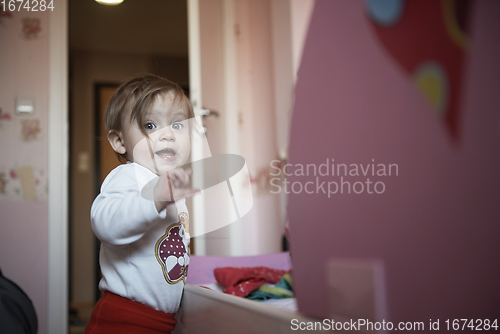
(167, 134)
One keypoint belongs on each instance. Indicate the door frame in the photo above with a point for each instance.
(58, 162)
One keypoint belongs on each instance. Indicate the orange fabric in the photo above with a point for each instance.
(115, 314)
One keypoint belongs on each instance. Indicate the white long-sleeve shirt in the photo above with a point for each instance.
(144, 253)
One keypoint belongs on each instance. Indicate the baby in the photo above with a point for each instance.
(140, 215)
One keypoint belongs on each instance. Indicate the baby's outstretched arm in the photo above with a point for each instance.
(120, 214)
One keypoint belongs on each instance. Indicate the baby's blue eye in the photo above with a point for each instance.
(177, 126)
(149, 126)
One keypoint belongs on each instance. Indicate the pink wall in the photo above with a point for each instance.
(435, 228)
(24, 64)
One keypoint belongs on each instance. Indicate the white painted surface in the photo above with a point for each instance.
(301, 15)
(198, 212)
(58, 171)
(243, 60)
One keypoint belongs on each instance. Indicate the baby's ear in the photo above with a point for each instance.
(116, 141)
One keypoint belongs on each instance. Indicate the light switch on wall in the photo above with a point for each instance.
(25, 105)
(83, 162)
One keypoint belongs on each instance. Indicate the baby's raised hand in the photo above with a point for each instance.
(171, 186)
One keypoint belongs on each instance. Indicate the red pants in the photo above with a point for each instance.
(115, 314)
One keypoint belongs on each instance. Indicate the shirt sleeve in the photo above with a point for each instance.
(120, 215)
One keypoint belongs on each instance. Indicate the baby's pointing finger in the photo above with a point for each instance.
(181, 175)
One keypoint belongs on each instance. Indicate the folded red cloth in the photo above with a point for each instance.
(241, 281)
(115, 314)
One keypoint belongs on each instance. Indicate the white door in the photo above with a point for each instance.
(242, 65)
(212, 67)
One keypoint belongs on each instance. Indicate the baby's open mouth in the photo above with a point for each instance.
(166, 153)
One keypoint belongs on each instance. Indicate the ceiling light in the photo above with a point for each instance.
(109, 2)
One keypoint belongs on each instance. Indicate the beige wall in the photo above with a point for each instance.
(87, 69)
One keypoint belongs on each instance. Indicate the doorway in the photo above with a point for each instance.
(107, 45)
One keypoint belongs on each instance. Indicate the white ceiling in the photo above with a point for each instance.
(156, 27)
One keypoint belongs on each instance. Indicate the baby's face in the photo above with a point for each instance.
(168, 145)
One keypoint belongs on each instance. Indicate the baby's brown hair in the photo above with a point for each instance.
(135, 97)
